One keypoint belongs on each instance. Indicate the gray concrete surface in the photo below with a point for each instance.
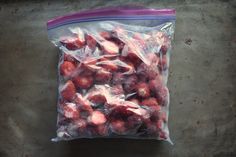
(202, 83)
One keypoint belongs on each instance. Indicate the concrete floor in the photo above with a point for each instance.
(202, 83)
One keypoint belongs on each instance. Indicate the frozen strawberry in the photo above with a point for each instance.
(70, 58)
(155, 112)
(70, 111)
(69, 43)
(153, 58)
(68, 91)
(118, 127)
(159, 124)
(145, 71)
(83, 104)
(133, 122)
(117, 89)
(103, 75)
(163, 49)
(128, 67)
(80, 125)
(96, 97)
(135, 101)
(67, 68)
(163, 65)
(142, 90)
(105, 35)
(162, 135)
(97, 118)
(118, 78)
(73, 43)
(151, 129)
(130, 83)
(109, 65)
(134, 59)
(91, 42)
(120, 112)
(83, 82)
(102, 130)
(109, 48)
(155, 84)
(162, 95)
(164, 117)
(149, 102)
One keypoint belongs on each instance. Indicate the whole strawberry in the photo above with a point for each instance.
(118, 127)
(142, 90)
(130, 83)
(97, 118)
(67, 68)
(83, 82)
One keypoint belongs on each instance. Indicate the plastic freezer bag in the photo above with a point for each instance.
(113, 70)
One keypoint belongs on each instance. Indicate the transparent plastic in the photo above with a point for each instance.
(113, 74)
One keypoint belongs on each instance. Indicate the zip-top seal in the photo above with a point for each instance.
(120, 13)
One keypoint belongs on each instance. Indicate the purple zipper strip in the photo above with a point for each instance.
(125, 11)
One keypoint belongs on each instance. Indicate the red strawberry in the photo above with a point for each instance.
(89, 63)
(82, 103)
(81, 125)
(163, 49)
(109, 48)
(145, 71)
(73, 43)
(128, 67)
(102, 130)
(162, 135)
(68, 91)
(70, 111)
(164, 117)
(156, 84)
(162, 95)
(69, 58)
(149, 102)
(91, 42)
(118, 78)
(130, 83)
(159, 124)
(67, 68)
(142, 90)
(155, 112)
(135, 101)
(105, 35)
(153, 58)
(117, 89)
(133, 122)
(151, 129)
(120, 112)
(109, 65)
(69, 43)
(134, 59)
(103, 76)
(118, 127)
(97, 118)
(83, 82)
(163, 64)
(96, 97)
